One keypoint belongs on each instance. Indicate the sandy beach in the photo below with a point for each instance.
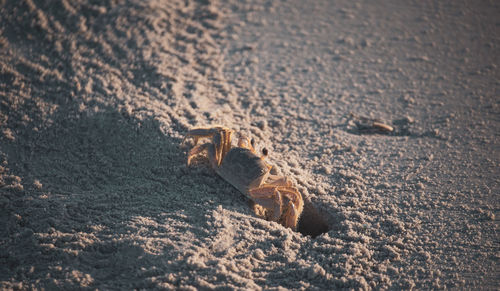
(96, 98)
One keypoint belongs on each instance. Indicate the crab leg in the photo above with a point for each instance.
(198, 133)
(222, 142)
(227, 143)
(294, 207)
(278, 181)
(197, 150)
(269, 198)
(291, 216)
(221, 138)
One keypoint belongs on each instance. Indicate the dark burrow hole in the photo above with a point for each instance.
(311, 222)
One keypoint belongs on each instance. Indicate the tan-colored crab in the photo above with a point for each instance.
(247, 172)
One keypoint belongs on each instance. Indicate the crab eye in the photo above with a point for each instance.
(265, 151)
(252, 142)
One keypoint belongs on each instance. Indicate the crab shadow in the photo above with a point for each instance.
(104, 197)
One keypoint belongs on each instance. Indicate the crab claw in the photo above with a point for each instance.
(221, 140)
(291, 216)
(272, 198)
(269, 198)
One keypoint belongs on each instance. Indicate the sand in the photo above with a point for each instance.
(96, 97)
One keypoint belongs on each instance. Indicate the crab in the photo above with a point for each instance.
(275, 197)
